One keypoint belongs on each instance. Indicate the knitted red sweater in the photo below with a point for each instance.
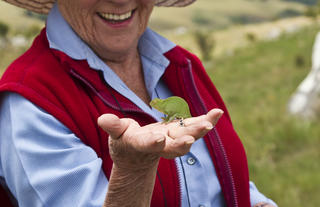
(77, 95)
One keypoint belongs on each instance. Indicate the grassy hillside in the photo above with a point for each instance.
(204, 13)
(16, 18)
(220, 14)
(235, 36)
(256, 83)
(283, 151)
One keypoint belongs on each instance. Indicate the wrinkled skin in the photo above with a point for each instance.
(135, 150)
(136, 147)
(114, 44)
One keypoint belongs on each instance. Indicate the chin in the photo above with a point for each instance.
(122, 46)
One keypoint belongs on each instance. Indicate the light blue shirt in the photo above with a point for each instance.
(45, 164)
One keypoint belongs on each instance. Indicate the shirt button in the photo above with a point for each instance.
(202, 206)
(191, 161)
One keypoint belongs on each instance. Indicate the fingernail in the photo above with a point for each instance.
(209, 127)
(220, 114)
(99, 119)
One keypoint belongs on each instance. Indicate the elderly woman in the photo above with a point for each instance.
(77, 129)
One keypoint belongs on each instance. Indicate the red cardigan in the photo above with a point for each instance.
(77, 95)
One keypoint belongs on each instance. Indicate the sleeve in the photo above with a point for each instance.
(43, 162)
(257, 197)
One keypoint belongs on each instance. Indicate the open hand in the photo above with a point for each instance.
(132, 146)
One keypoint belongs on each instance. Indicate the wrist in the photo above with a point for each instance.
(131, 186)
(138, 166)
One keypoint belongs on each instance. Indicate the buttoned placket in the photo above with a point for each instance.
(190, 163)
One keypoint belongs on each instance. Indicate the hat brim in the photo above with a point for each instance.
(44, 6)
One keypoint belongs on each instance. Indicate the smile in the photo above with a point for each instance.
(116, 17)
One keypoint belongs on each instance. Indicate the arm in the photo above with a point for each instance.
(130, 188)
(136, 150)
(73, 175)
(43, 162)
(258, 199)
(263, 204)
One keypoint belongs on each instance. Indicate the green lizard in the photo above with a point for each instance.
(173, 107)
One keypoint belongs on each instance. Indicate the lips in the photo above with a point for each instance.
(116, 18)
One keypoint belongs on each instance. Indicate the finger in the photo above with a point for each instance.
(146, 141)
(114, 126)
(196, 130)
(263, 204)
(177, 147)
(195, 126)
(212, 116)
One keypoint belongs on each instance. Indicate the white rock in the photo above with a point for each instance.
(19, 41)
(292, 28)
(305, 102)
(180, 30)
(274, 34)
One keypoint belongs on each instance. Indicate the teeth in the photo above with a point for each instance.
(116, 17)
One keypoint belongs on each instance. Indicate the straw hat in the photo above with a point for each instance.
(44, 6)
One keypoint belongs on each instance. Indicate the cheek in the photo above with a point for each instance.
(76, 12)
(81, 22)
(147, 2)
(145, 14)
(85, 4)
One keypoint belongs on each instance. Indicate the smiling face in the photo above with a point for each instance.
(112, 28)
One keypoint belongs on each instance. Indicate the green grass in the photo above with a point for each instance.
(256, 84)
(283, 151)
(7, 55)
(16, 18)
(213, 14)
(210, 14)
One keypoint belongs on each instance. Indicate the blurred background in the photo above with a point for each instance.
(257, 53)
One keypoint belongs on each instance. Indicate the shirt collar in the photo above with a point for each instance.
(151, 48)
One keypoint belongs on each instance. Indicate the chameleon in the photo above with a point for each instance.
(173, 107)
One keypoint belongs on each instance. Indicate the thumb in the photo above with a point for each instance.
(214, 115)
(111, 124)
